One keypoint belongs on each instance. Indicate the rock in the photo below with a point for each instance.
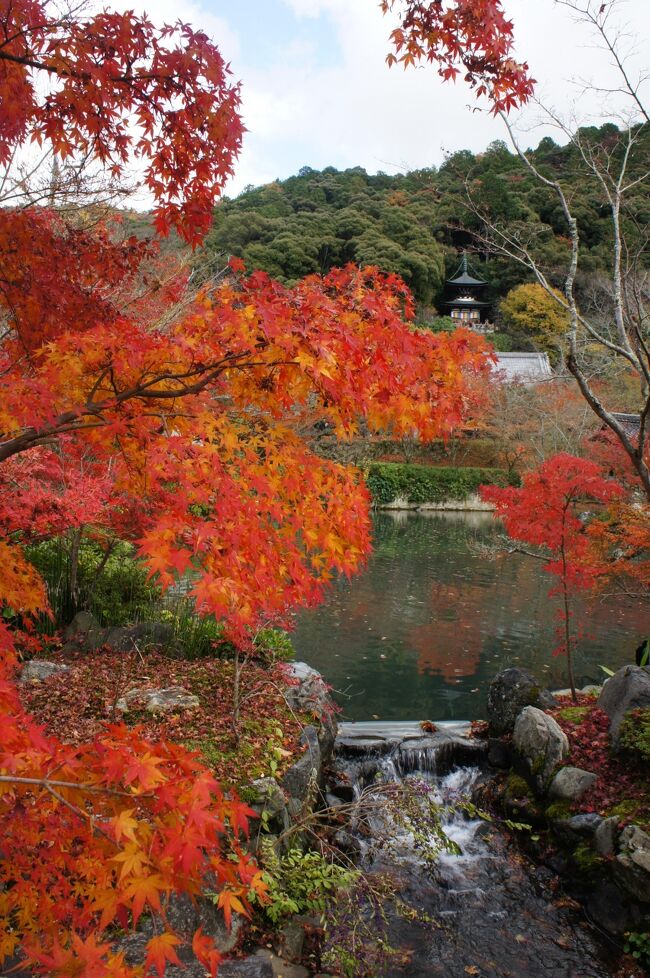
(310, 693)
(333, 801)
(185, 916)
(605, 836)
(291, 940)
(498, 753)
(159, 700)
(633, 862)
(172, 698)
(591, 690)
(255, 967)
(341, 788)
(270, 803)
(510, 691)
(628, 689)
(570, 783)
(607, 907)
(38, 670)
(541, 742)
(84, 633)
(303, 777)
(82, 623)
(579, 826)
(279, 967)
(348, 843)
(361, 746)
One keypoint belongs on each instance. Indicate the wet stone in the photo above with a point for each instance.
(355, 746)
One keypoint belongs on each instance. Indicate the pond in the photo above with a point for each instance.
(421, 632)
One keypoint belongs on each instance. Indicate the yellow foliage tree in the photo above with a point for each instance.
(531, 311)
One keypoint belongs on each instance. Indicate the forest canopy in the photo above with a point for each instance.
(415, 224)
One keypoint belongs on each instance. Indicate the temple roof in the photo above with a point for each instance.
(523, 368)
(462, 276)
(465, 300)
(466, 279)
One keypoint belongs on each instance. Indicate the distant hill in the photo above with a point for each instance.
(417, 223)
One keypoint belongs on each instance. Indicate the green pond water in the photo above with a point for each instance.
(419, 634)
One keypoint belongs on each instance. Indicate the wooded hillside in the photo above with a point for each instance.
(416, 223)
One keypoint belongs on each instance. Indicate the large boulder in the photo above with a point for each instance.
(633, 862)
(309, 693)
(84, 633)
(570, 783)
(185, 915)
(510, 691)
(303, 777)
(540, 742)
(628, 689)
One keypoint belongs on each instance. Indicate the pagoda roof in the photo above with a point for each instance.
(465, 300)
(464, 278)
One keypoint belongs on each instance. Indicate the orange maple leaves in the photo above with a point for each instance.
(181, 433)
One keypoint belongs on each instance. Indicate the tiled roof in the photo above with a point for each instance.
(523, 368)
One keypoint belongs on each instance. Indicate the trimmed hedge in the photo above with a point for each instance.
(428, 483)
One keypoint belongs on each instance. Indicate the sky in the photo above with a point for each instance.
(316, 90)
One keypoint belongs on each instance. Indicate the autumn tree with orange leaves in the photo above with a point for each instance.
(175, 427)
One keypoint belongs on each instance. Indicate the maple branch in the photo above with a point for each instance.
(74, 785)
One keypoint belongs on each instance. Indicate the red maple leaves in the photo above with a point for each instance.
(548, 512)
(112, 87)
(469, 36)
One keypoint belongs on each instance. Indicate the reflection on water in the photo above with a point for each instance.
(422, 631)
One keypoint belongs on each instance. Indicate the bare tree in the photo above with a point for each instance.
(614, 318)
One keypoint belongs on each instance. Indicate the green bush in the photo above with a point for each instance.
(428, 484)
(501, 342)
(301, 882)
(114, 589)
(635, 733)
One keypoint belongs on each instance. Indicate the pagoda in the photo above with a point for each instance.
(465, 298)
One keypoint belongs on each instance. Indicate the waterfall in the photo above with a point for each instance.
(485, 910)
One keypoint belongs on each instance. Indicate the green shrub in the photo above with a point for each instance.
(635, 732)
(428, 484)
(501, 342)
(115, 589)
(638, 945)
(301, 882)
(275, 644)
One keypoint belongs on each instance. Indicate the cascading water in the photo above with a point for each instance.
(489, 911)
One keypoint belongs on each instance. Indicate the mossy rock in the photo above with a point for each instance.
(517, 787)
(558, 810)
(635, 733)
(586, 859)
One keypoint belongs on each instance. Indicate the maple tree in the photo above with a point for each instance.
(546, 512)
(470, 36)
(175, 426)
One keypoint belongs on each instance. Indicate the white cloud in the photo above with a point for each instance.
(360, 112)
(350, 109)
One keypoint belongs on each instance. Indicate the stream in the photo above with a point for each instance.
(493, 914)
